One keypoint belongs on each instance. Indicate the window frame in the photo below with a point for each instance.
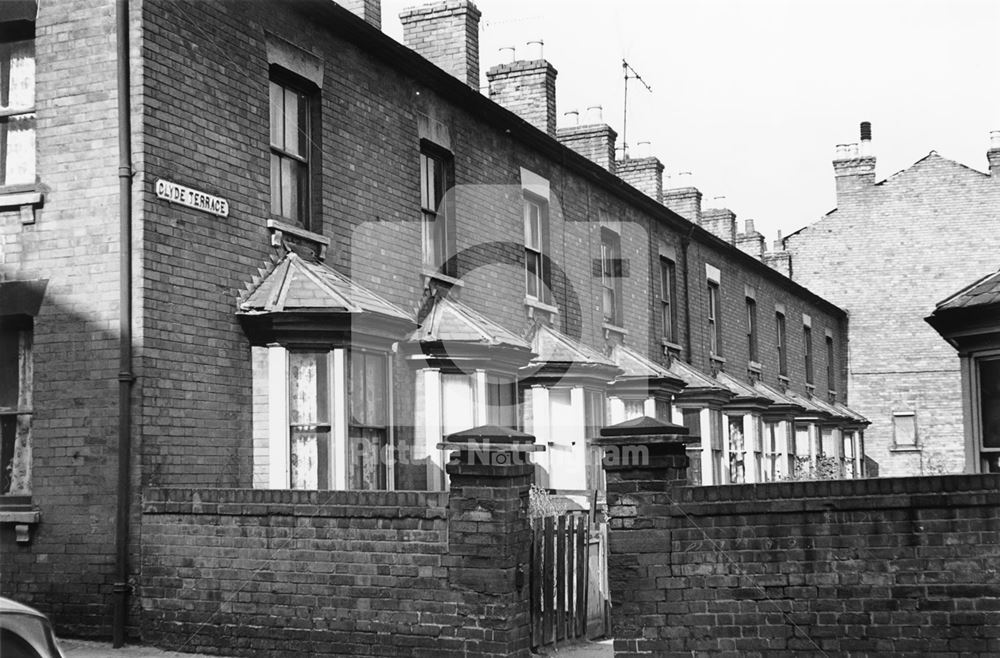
(781, 337)
(714, 323)
(12, 34)
(831, 377)
(808, 358)
(611, 276)
(668, 293)
(896, 443)
(536, 250)
(752, 343)
(441, 207)
(306, 216)
(16, 419)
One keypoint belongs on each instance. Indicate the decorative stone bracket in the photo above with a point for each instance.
(22, 520)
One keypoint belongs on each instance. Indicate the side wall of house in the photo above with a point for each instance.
(66, 566)
(888, 254)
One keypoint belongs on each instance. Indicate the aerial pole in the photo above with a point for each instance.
(630, 74)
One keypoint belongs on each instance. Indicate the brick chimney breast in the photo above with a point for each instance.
(528, 89)
(683, 198)
(644, 174)
(594, 141)
(854, 168)
(447, 34)
(993, 155)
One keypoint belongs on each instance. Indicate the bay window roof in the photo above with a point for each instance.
(561, 359)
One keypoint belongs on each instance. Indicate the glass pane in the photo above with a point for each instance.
(310, 457)
(9, 369)
(457, 403)
(367, 451)
(428, 239)
(301, 194)
(8, 435)
(19, 82)
(289, 202)
(608, 302)
(531, 272)
(19, 162)
(376, 396)
(277, 116)
(531, 227)
(989, 397)
(302, 126)
(291, 123)
(426, 182)
(500, 401)
(275, 184)
(308, 388)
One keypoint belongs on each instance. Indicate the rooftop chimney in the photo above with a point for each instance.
(527, 88)
(993, 155)
(446, 33)
(644, 173)
(751, 241)
(720, 221)
(854, 167)
(370, 10)
(683, 197)
(594, 141)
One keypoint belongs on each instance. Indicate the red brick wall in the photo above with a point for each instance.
(66, 569)
(861, 567)
(888, 254)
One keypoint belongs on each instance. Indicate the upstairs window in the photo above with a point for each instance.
(611, 276)
(291, 150)
(904, 429)
(779, 322)
(437, 215)
(668, 314)
(17, 102)
(714, 328)
(752, 329)
(536, 221)
(807, 340)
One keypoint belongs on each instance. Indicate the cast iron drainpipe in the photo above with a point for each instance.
(125, 376)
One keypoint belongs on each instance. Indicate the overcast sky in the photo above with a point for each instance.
(752, 96)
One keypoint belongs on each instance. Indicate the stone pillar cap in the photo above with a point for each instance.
(490, 437)
(644, 430)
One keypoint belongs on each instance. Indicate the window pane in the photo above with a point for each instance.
(18, 75)
(275, 184)
(302, 126)
(310, 457)
(531, 225)
(376, 394)
(531, 272)
(501, 401)
(904, 427)
(457, 403)
(289, 201)
(18, 135)
(367, 450)
(277, 116)
(9, 369)
(308, 388)
(291, 123)
(989, 392)
(301, 194)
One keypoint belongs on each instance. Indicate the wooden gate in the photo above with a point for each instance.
(560, 577)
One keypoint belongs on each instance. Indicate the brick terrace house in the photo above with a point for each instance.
(887, 254)
(341, 252)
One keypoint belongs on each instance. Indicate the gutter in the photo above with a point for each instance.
(125, 376)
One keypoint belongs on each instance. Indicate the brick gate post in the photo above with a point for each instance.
(489, 536)
(643, 460)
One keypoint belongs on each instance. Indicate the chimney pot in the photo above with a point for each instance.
(684, 179)
(749, 226)
(866, 131)
(595, 114)
(536, 49)
(572, 118)
(643, 149)
(508, 54)
(995, 139)
(719, 201)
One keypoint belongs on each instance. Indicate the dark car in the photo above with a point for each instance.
(25, 632)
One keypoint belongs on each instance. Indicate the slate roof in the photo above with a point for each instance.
(635, 364)
(984, 292)
(740, 390)
(453, 322)
(299, 285)
(552, 346)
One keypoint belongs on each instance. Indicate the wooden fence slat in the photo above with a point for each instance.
(561, 578)
(536, 584)
(571, 568)
(582, 579)
(548, 560)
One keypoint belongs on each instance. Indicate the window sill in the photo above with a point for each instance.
(22, 517)
(755, 367)
(613, 328)
(673, 347)
(279, 227)
(716, 358)
(906, 449)
(25, 197)
(433, 275)
(533, 304)
(784, 380)
(810, 388)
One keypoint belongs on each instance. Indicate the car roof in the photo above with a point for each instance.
(9, 606)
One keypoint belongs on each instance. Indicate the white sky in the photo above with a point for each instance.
(753, 96)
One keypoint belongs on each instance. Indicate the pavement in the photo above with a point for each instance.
(88, 649)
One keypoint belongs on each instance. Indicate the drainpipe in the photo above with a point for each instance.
(125, 377)
(685, 243)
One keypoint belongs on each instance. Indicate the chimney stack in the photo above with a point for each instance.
(594, 141)
(447, 34)
(644, 173)
(720, 221)
(751, 241)
(854, 168)
(683, 197)
(527, 88)
(370, 10)
(993, 155)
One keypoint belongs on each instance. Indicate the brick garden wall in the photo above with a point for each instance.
(310, 573)
(903, 566)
